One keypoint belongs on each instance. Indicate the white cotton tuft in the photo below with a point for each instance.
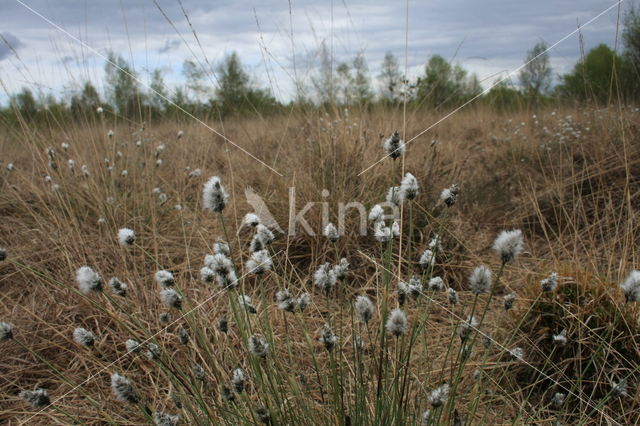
(88, 280)
(481, 280)
(126, 237)
(509, 245)
(214, 197)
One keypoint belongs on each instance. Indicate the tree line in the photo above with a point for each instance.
(601, 76)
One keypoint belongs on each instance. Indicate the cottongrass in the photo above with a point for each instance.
(394, 146)
(324, 277)
(214, 196)
(364, 308)
(83, 337)
(631, 287)
(38, 398)
(165, 278)
(171, 298)
(509, 245)
(509, 300)
(6, 331)
(258, 346)
(118, 287)
(3, 254)
(133, 346)
(397, 323)
(163, 419)
(331, 232)
(328, 338)
(126, 237)
(259, 263)
(550, 283)
(123, 389)
(481, 280)
(409, 187)
(88, 280)
(438, 397)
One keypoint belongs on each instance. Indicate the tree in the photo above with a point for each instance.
(591, 77)
(361, 84)
(235, 93)
(390, 79)
(25, 103)
(158, 93)
(323, 81)
(631, 35)
(87, 102)
(122, 87)
(195, 80)
(445, 85)
(535, 77)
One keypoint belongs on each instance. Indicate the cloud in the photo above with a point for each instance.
(8, 43)
(169, 45)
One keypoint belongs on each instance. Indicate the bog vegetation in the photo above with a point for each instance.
(496, 282)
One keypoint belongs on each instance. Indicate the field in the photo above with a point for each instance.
(568, 178)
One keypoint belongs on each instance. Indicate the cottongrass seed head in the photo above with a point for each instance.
(327, 337)
(164, 419)
(453, 296)
(38, 398)
(364, 308)
(481, 280)
(251, 219)
(631, 287)
(221, 248)
(439, 396)
(509, 299)
(258, 346)
(509, 245)
(331, 232)
(465, 329)
(165, 278)
(171, 298)
(259, 263)
(409, 187)
(238, 380)
(126, 237)
(376, 214)
(517, 353)
(285, 301)
(123, 390)
(118, 287)
(303, 301)
(6, 331)
(560, 339)
(558, 399)
(214, 196)
(88, 280)
(436, 284)
(133, 346)
(393, 145)
(324, 277)
(394, 196)
(449, 195)
(3, 254)
(619, 389)
(83, 337)
(341, 268)
(427, 259)
(550, 283)
(397, 323)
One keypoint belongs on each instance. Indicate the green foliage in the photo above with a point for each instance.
(535, 77)
(503, 97)
(593, 77)
(445, 85)
(122, 89)
(390, 79)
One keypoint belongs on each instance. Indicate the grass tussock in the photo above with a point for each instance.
(286, 340)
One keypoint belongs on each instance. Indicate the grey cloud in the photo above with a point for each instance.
(169, 45)
(8, 42)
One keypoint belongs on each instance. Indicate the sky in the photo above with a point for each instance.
(54, 46)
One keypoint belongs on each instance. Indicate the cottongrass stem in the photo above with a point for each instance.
(123, 390)
(38, 398)
(88, 280)
(509, 245)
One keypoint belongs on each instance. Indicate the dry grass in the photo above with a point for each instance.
(576, 200)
